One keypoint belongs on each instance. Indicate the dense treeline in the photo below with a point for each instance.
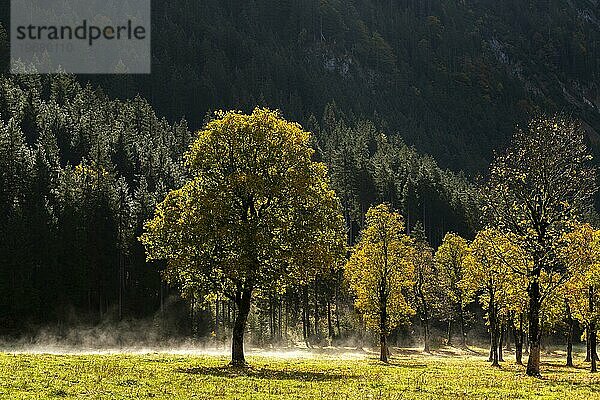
(368, 167)
(82, 172)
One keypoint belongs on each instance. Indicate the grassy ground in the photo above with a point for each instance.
(410, 375)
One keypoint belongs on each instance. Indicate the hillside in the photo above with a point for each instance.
(451, 77)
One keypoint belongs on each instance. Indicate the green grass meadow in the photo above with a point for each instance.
(410, 375)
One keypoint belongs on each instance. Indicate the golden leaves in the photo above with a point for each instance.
(256, 208)
(380, 269)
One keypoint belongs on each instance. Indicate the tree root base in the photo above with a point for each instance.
(238, 364)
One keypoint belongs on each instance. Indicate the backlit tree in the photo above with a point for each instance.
(535, 188)
(256, 211)
(490, 276)
(582, 290)
(452, 259)
(380, 273)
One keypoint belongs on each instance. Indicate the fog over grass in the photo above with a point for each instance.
(147, 337)
(168, 332)
(153, 336)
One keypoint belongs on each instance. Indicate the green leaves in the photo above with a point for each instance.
(496, 272)
(256, 211)
(380, 270)
(581, 254)
(452, 259)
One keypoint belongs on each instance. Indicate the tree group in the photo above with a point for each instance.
(258, 212)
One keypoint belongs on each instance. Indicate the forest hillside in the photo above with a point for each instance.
(404, 62)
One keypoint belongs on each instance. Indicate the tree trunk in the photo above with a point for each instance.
(491, 357)
(518, 337)
(317, 316)
(121, 278)
(383, 354)
(280, 319)
(304, 335)
(330, 331)
(593, 355)
(449, 341)
(271, 320)
(383, 350)
(533, 363)
(507, 328)
(337, 314)
(494, 346)
(305, 316)
(569, 336)
(192, 316)
(242, 301)
(162, 296)
(587, 344)
(217, 319)
(570, 348)
(287, 316)
(427, 340)
(521, 346)
(500, 342)
(493, 319)
(592, 330)
(463, 334)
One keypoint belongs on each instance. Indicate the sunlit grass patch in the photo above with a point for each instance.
(410, 375)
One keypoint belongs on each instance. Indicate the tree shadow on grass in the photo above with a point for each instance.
(264, 373)
(474, 352)
(558, 367)
(404, 364)
(444, 353)
(451, 352)
(399, 351)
